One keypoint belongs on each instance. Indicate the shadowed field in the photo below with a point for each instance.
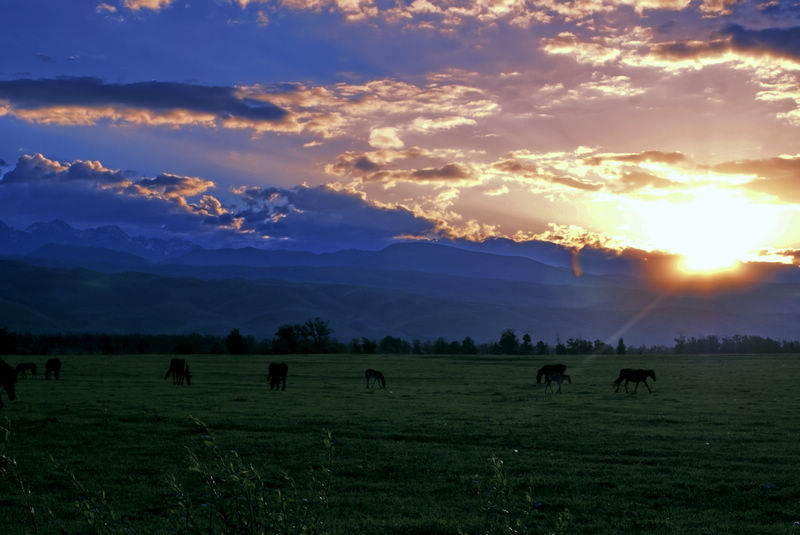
(713, 449)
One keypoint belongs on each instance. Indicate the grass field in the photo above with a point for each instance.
(714, 448)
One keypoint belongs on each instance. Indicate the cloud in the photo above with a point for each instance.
(85, 101)
(385, 138)
(314, 217)
(154, 5)
(777, 177)
(86, 192)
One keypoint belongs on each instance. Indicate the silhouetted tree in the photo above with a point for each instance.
(508, 344)
(235, 343)
(391, 344)
(319, 331)
(526, 348)
(416, 347)
(286, 340)
(621, 350)
(440, 346)
(368, 346)
(468, 346)
(542, 348)
(601, 348)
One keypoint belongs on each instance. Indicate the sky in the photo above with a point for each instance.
(651, 125)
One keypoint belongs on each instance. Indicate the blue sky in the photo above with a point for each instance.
(656, 125)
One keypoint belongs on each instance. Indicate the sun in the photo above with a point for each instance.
(712, 231)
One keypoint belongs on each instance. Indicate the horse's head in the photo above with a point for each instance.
(652, 374)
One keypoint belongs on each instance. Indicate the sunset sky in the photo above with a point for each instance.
(660, 125)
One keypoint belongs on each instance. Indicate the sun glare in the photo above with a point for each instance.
(712, 232)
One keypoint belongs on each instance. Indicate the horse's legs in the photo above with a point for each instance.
(637, 387)
(648, 386)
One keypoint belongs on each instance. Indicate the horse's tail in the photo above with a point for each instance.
(539, 377)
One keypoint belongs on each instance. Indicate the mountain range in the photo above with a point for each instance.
(55, 278)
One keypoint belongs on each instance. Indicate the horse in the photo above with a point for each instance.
(8, 380)
(277, 375)
(179, 370)
(547, 369)
(636, 376)
(24, 367)
(375, 376)
(52, 367)
(558, 378)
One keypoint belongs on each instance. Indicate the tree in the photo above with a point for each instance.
(319, 332)
(286, 340)
(368, 346)
(440, 346)
(468, 346)
(509, 343)
(542, 348)
(526, 348)
(235, 343)
(621, 349)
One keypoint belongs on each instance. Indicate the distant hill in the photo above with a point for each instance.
(103, 280)
(421, 306)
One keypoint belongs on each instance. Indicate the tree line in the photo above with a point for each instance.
(315, 336)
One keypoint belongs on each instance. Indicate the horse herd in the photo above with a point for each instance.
(554, 373)
(276, 376)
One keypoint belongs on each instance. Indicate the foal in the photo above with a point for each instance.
(558, 378)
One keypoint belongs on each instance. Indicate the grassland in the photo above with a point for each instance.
(714, 448)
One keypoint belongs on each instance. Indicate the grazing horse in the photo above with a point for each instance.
(557, 378)
(547, 369)
(376, 377)
(636, 376)
(277, 375)
(23, 367)
(52, 366)
(8, 379)
(179, 371)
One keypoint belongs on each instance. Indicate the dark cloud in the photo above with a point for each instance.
(365, 164)
(220, 101)
(670, 158)
(446, 172)
(577, 184)
(636, 180)
(774, 176)
(321, 219)
(778, 41)
(44, 58)
(86, 193)
(783, 42)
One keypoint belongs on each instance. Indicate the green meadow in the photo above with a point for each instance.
(454, 444)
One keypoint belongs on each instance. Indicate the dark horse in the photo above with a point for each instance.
(52, 366)
(636, 376)
(375, 376)
(277, 375)
(179, 371)
(24, 367)
(547, 369)
(8, 379)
